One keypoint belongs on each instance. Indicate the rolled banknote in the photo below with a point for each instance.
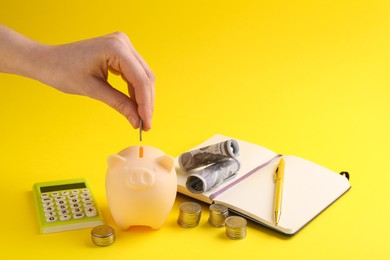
(208, 155)
(212, 176)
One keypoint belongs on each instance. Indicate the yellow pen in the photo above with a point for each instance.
(279, 179)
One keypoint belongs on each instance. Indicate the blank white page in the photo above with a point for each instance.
(308, 189)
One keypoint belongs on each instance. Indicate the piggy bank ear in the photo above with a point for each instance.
(115, 161)
(166, 161)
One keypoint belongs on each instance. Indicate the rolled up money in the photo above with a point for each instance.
(208, 155)
(212, 175)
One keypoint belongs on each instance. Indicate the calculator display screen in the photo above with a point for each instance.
(70, 186)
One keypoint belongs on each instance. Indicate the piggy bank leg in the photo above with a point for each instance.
(122, 225)
(157, 226)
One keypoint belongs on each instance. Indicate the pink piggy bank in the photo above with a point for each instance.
(141, 187)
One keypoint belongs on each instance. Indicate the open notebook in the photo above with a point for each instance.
(308, 187)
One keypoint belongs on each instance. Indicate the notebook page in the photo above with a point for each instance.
(308, 189)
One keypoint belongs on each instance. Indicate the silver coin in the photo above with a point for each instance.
(140, 129)
(235, 227)
(218, 214)
(189, 214)
(103, 235)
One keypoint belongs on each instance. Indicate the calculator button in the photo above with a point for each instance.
(48, 209)
(50, 214)
(78, 215)
(87, 199)
(51, 219)
(57, 198)
(45, 195)
(77, 210)
(75, 192)
(85, 191)
(61, 202)
(89, 204)
(65, 217)
(65, 193)
(85, 195)
(47, 204)
(47, 199)
(75, 206)
(90, 211)
(73, 201)
(55, 194)
(73, 196)
(62, 207)
(63, 212)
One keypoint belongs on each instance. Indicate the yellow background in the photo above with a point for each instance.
(309, 78)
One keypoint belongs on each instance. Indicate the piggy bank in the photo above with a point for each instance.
(141, 187)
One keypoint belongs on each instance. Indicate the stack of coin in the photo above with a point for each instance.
(217, 215)
(189, 214)
(235, 227)
(103, 235)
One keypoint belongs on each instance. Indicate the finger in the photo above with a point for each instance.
(124, 59)
(150, 74)
(139, 58)
(146, 68)
(146, 126)
(117, 100)
(140, 86)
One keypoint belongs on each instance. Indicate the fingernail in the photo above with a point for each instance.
(147, 125)
(133, 122)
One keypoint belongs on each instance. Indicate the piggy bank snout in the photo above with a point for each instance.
(141, 178)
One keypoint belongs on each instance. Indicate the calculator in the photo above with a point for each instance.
(66, 205)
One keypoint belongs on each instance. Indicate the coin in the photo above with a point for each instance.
(140, 129)
(103, 235)
(235, 227)
(218, 214)
(189, 214)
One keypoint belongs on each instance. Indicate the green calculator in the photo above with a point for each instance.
(66, 205)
